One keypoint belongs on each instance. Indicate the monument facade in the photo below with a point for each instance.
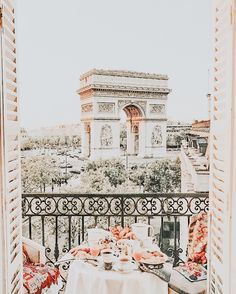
(143, 98)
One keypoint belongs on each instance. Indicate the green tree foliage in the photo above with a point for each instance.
(113, 170)
(108, 176)
(39, 171)
(27, 145)
(76, 141)
(94, 181)
(161, 176)
(175, 140)
(123, 137)
(52, 142)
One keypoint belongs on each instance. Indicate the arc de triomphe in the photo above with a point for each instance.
(142, 96)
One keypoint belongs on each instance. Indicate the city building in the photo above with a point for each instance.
(178, 126)
(195, 158)
(24, 136)
(175, 133)
(104, 94)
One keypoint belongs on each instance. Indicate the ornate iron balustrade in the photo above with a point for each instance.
(60, 221)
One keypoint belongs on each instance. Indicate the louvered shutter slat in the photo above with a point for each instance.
(10, 152)
(220, 140)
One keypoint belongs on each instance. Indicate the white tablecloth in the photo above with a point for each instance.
(87, 279)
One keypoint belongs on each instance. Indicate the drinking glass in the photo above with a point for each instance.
(107, 256)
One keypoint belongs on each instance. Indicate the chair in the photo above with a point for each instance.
(38, 277)
(197, 253)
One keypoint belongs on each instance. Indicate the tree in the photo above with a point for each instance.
(163, 176)
(39, 172)
(175, 140)
(76, 141)
(114, 170)
(94, 181)
(110, 176)
(178, 140)
(27, 145)
(123, 137)
(137, 174)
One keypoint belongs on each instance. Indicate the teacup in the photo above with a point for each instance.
(107, 257)
(124, 262)
(147, 242)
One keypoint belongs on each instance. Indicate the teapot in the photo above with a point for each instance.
(142, 231)
(95, 234)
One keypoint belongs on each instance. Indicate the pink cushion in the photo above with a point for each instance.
(39, 276)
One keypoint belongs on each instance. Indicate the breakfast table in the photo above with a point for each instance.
(126, 261)
(88, 279)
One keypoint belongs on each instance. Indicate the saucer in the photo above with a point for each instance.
(129, 267)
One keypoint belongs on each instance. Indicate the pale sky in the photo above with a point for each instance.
(59, 40)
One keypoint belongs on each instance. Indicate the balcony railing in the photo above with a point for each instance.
(60, 221)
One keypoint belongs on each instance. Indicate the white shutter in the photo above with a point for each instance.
(221, 150)
(11, 279)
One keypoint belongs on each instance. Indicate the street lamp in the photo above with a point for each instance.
(126, 160)
(66, 143)
(41, 182)
(52, 185)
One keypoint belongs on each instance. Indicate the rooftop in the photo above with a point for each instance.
(202, 124)
(124, 73)
(123, 83)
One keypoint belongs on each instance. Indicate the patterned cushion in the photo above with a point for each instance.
(37, 277)
(198, 233)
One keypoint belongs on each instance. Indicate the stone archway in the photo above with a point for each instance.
(142, 96)
(134, 118)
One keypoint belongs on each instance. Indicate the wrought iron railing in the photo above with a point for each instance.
(60, 221)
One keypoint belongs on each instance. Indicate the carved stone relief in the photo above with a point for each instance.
(125, 94)
(157, 139)
(142, 104)
(106, 107)
(122, 103)
(106, 137)
(157, 108)
(87, 107)
(135, 128)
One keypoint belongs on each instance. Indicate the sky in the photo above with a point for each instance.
(59, 40)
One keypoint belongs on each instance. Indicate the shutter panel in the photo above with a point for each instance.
(221, 127)
(10, 155)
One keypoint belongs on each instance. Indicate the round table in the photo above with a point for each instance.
(84, 278)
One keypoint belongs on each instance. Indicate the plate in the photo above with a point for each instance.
(84, 255)
(153, 265)
(125, 269)
(154, 260)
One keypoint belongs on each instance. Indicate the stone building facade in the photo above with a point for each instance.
(143, 98)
